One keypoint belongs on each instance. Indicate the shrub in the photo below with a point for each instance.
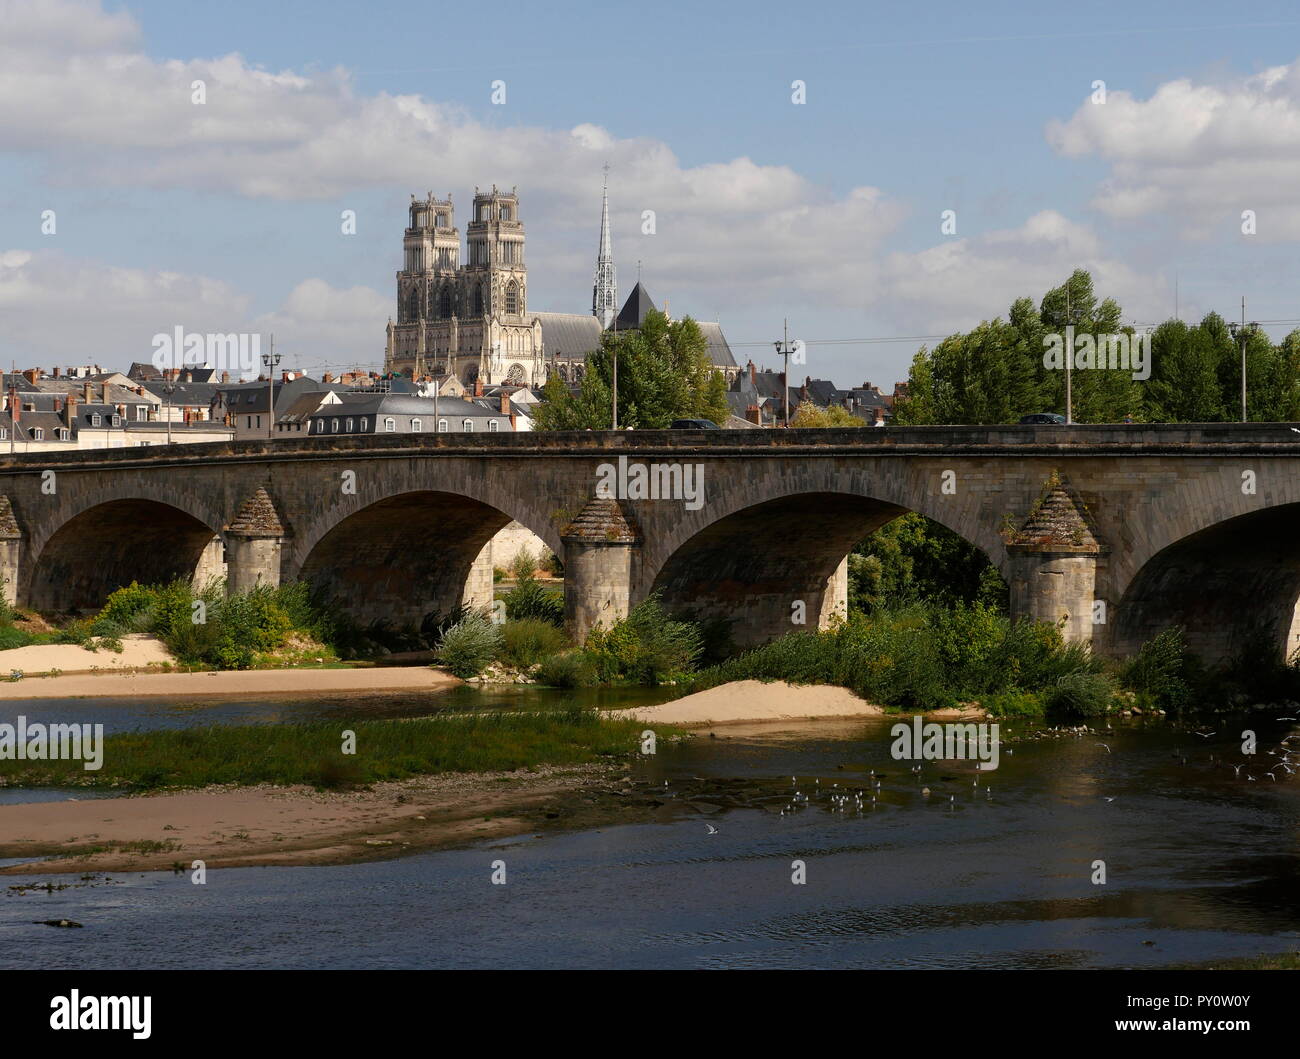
(1015, 703)
(1158, 671)
(646, 647)
(523, 564)
(525, 643)
(1082, 695)
(468, 647)
(530, 600)
(569, 669)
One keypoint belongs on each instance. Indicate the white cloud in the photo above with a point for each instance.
(1198, 154)
(978, 278)
(66, 310)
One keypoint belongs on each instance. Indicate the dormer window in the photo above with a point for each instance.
(96, 419)
(38, 434)
(390, 424)
(117, 421)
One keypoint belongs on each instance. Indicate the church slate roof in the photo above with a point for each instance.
(637, 307)
(569, 335)
(719, 350)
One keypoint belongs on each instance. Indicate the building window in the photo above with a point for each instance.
(442, 426)
(334, 426)
(96, 420)
(117, 421)
(492, 426)
(416, 426)
(141, 413)
(390, 424)
(38, 434)
(469, 426)
(512, 297)
(64, 433)
(349, 425)
(445, 310)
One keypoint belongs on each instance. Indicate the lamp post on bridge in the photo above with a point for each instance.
(1243, 332)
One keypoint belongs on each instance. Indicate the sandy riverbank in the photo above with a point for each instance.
(139, 651)
(753, 701)
(229, 683)
(243, 826)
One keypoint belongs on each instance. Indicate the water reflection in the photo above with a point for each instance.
(1201, 865)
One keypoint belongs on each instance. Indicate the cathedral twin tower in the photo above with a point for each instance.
(472, 320)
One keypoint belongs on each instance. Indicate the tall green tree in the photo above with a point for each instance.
(664, 373)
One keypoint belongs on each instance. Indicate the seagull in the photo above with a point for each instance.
(711, 829)
(1237, 770)
(1204, 735)
(1110, 797)
(1104, 747)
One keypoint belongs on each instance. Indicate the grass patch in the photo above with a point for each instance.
(311, 753)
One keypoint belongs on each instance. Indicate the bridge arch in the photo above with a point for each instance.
(109, 536)
(400, 551)
(1232, 584)
(749, 559)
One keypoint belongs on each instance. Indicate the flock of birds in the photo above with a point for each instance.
(859, 800)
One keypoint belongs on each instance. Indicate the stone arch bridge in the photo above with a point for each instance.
(1119, 530)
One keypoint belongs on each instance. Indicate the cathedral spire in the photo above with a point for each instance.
(604, 293)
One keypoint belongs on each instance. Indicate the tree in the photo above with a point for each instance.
(664, 373)
(811, 415)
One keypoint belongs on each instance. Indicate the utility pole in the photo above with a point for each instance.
(270, 359)
(783, 349)
(1068, 319)
(1243, 332)
(169, 388)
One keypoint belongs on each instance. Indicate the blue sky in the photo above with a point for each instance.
(227, 216)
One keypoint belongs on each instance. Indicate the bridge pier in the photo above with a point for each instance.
(10, 551)
(1055, 587)
(1052, 563)
(600, 549)
(254, 542)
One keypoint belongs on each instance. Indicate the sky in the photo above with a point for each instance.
(1125, 138)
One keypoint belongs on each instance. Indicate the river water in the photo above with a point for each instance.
(1201, 864)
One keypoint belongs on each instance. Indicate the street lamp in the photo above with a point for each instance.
(169, 388)
(1068, 319)
(1243, 332)
(270, 359)
(783, 349)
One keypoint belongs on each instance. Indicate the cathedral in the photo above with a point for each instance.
(472, 320)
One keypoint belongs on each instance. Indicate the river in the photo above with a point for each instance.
(1202, 865)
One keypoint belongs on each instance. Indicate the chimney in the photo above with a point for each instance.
(70, 411)
(327, 377)
(752, 413)
(87, 392)
(284, 377)
(753, 373)
(56, 371)
(32, 375)
(225, 376)
(505, 403)
(189, 376)
(478, 386)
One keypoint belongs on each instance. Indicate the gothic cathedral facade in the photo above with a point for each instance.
(470, 320)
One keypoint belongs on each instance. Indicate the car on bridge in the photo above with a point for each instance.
(1042, 419)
